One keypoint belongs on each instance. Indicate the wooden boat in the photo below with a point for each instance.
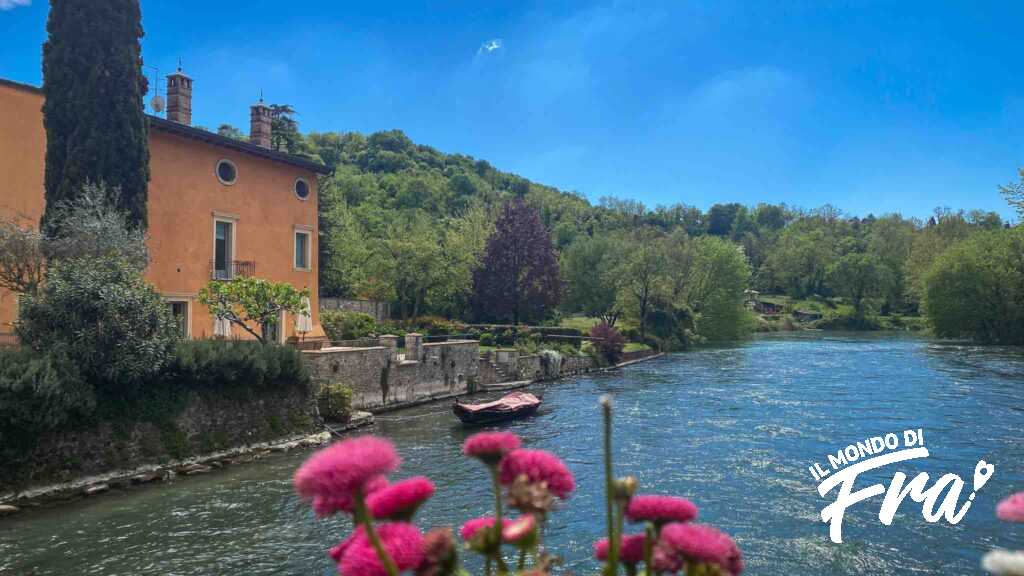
(509, 406)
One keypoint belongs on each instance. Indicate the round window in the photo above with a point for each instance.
(301, 189)
(226, 172)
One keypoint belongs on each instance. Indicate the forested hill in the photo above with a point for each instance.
(407, 223)
(392, 199)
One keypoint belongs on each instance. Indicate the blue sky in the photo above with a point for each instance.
(871, 106)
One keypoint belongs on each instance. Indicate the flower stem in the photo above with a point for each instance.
(363, 517)
(612, 567)
(649, 537)
(495, 482)
(522, 560)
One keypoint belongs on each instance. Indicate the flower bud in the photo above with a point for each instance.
(625, 488)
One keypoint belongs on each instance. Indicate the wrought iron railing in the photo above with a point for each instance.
(232, 269)
(357, 343)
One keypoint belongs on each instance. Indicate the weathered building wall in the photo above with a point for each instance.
(380, 380)
(185, 197)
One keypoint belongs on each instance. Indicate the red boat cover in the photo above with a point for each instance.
(509, 402)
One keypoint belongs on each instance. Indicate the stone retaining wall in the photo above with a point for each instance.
(206, 424)
(382, 379)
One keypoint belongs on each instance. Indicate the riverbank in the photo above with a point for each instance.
(14, 501)
(93, 485)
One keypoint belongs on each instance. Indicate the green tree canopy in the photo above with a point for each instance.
(859, 276)
(975, 289)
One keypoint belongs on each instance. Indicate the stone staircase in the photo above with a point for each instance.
(504, 372)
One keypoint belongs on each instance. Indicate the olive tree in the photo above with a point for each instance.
(91, 228)
(21, 257)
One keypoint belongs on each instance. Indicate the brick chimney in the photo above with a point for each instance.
(179, 98)
(260, 124)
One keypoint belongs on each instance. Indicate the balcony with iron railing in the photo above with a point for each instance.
(8, 340)
(232, 269)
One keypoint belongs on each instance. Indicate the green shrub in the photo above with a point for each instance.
(487, 339)
(234, 366)
(436, 325)
(393, 328)
(848, 321)
(102, 314)
(38, 393)
(335, 402)
(528, 345)
(345, 325)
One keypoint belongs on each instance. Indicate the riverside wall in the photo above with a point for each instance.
(204, 425)
(383, 379)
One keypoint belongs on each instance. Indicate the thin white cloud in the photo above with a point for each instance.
(6, 5)
(487, 47)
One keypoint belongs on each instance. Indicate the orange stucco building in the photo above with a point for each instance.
(218, 207)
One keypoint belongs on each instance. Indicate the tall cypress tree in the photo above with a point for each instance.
(93, 113)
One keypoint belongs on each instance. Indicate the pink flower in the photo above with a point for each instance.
(338, 551)
(665, 560)
(701, 543)
(400, 499)
(538, 466)
(472, 527)
(490, 446)
(327, 505)
(631, 550)
(337, 473)
(735, 562)
(402, 541)
(660, 509)
(518, 531)
(1011, 509)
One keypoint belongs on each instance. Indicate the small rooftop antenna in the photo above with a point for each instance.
(157, 102)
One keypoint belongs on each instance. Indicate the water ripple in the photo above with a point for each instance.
(732, 428)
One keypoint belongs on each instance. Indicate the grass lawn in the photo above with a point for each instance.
(585, 323)
(635, 347)
(820, 305)
(581, 323)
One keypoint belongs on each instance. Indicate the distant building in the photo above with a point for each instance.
(218, 207)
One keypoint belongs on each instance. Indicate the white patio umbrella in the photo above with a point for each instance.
(222, 327)
(304, 321)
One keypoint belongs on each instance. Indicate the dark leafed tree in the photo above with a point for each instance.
(284, 129)
(93, 113)
(231, 132)
(518, 279)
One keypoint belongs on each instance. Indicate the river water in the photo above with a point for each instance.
(732, 428)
